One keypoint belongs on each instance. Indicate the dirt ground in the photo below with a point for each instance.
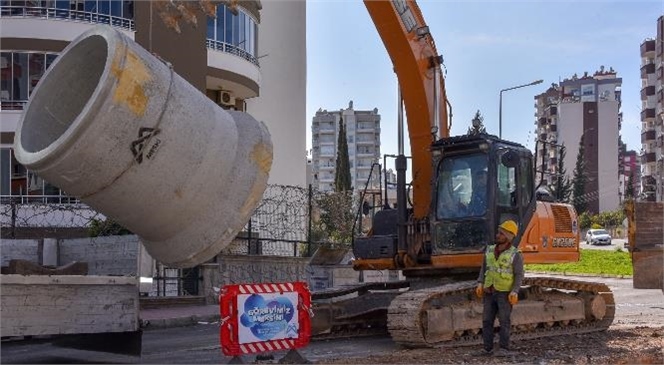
(620, 345)
(635, 337)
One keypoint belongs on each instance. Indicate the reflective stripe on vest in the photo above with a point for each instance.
(499, 273)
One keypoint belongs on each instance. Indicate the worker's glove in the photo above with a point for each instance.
(479, 290)
(513, 298)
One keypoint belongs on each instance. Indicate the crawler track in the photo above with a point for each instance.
(409, 322)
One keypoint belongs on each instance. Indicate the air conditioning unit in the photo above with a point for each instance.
(226, 98)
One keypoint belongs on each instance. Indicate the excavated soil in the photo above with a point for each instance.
(621, 345)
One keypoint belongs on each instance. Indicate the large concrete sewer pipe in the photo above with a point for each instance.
(112, 124)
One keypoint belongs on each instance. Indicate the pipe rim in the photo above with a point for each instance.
(37, 158)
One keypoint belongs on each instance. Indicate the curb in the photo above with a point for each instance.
(581, 274)
(160, 323)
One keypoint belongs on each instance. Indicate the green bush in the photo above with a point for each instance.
(596, 226)
(106, 227)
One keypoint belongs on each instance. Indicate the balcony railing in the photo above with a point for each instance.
(647, 70)
(647, 46)
(7, 11)
(648, 136)
(647, 114)
(647, 91)
(648, 157)
(229, 48)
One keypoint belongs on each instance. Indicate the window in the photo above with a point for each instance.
(506, 186)
(459, 178)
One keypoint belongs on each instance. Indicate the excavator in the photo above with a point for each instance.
(116, 139)
(438, 239)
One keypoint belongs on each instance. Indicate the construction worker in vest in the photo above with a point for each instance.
(499, 282)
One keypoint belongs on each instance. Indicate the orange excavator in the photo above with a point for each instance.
(463, 187)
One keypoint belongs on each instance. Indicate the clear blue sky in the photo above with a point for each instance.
(487, 46)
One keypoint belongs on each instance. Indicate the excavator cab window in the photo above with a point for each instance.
(462, 203)
(514, 185)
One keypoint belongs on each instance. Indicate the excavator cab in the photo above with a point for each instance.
(481, 181)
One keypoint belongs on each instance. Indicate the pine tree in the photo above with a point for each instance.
(629, 189)
(477, 124)
(579, 180)
(563, 186)
(342, 179)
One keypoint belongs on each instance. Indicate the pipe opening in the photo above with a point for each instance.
(62, 96)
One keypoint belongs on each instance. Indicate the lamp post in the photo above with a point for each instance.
(500, 107)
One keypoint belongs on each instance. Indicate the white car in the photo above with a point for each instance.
(598, 237)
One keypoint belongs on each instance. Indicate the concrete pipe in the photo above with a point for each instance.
(112, 124)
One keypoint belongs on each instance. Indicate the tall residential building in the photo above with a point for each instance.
(583, 109)
(252, 59)
(629, 169)
(652, 115)
(363, 136)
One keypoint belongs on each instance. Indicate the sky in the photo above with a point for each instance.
(487, 46)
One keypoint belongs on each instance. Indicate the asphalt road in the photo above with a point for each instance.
(200, 344)
(615, 244)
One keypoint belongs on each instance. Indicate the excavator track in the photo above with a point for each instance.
(451, 315)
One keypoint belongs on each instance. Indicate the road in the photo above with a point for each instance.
(200, 343)
(615, 244)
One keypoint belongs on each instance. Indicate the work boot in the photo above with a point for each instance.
(483, 352)
(503, 352)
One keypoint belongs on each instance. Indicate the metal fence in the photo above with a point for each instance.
(289, 221)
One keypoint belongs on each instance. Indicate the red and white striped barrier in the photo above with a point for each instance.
(264, 317)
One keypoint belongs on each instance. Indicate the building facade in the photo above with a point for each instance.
(221, 56)
(363, 136)
(652, 115)
(629, 169)
(583, 110)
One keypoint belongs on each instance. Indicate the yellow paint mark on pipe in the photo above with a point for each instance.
(132, 76)
(262, 156)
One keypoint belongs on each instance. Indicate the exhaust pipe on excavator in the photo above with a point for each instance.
(112, 124)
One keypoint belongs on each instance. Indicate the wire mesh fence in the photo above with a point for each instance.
(289, 221)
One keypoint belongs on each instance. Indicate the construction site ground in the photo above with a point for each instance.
(635, 337)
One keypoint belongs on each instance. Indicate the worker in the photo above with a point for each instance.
(499, 282)
(477, 204)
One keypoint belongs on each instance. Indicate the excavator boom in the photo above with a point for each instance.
(412, 50)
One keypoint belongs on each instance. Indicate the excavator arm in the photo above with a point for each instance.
(412, 50)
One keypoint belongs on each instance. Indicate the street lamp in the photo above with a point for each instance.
(500, 107)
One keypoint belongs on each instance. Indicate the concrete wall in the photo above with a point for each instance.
(111, 255)
(29, 250)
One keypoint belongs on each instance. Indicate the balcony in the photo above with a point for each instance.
(647, 91)
(553, 128)
(648, 158)
(647, 70)
(553, 110)
(648, 46)
(647, 114)
(55, 13)
(648, 136)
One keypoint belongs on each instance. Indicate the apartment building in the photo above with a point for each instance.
(629, 169)
(652, 115)
(363, 136)
(225, 57)
(583, 109)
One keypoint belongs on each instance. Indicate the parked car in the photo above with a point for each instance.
(598, 237)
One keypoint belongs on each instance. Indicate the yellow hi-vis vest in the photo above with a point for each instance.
(499, 272)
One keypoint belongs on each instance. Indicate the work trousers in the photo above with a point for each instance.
(496, 303)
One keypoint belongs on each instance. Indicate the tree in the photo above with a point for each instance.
(629, 189)
(342, 171)
(477, 124)
(562, 189)
(579, 179)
